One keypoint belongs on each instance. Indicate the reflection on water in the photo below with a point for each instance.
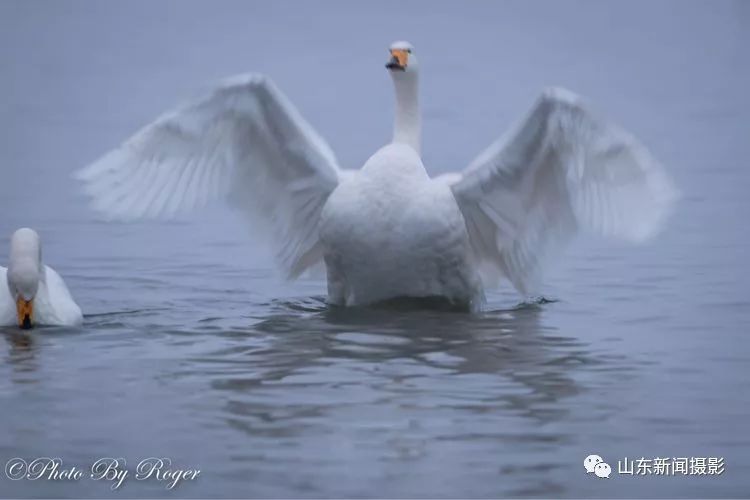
(510, 344)
(20, 353)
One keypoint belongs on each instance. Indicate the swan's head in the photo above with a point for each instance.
(24, 273)
(402, 58)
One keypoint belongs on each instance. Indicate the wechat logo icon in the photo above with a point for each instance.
(596, 465)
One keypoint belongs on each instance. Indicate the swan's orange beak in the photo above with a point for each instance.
(25, 309)
(399, 59)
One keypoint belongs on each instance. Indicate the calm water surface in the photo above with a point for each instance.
(195, 350)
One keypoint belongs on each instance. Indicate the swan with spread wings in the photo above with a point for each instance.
(388, 230)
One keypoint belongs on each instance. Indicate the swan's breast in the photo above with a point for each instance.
(384, 240)
(398, 217)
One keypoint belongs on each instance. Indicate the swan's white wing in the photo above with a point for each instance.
(54, 305)
(8, 315)
(561, 169)
(244, 142)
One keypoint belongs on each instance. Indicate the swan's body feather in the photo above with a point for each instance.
(7, 302)
(390, 231)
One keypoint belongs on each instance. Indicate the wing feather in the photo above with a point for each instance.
(562, 168)
(243, 142)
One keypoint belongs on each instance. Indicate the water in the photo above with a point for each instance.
(193, 349)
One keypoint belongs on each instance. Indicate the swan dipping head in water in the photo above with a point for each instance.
(35, 294)
(24, 273)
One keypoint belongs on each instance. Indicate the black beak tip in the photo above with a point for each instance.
(26, 323)
(394, 65)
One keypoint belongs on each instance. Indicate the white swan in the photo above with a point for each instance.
(388, 230)
(35, 294)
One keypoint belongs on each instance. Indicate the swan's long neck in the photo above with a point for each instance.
(408, 126)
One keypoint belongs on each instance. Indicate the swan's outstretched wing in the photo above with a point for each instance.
(244, 141)
(561, 169)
